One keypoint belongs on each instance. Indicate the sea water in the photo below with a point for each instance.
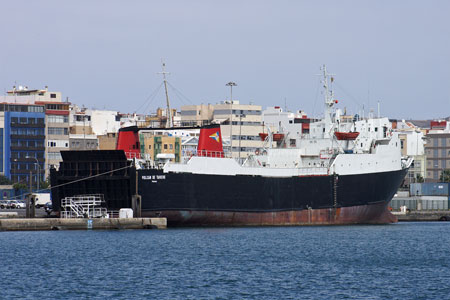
(399, 261)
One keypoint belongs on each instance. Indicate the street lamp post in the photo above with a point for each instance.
(231, 84)
(38, 170)
(240, 132)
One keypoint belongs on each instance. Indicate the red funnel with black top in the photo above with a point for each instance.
(128, 141)
(210, 141)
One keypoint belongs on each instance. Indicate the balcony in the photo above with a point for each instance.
(28, 160)
(26, 148)
(18, 125)
(28, 137)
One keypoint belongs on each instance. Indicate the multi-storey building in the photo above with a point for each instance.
(57, 132)
(241, 124)
(107, 141)
(437, 149)
(81, 136)
(83, 142)
(412, 143)
(56, 122)
(22, 142)
(196, 115)
(154, 146)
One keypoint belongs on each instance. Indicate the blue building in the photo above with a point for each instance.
(22, 142)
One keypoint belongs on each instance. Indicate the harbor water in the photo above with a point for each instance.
(398, 261)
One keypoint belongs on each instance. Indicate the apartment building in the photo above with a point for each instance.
(437, 149)
(22, 142)
(57, 132)
(36, 102)
(161, 146)
(196, 115)
(412, 144)
(241, 124)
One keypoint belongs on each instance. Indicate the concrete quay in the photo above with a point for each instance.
(423, 216)
(16, 224)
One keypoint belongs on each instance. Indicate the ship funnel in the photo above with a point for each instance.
(210, 141)
(128, 141)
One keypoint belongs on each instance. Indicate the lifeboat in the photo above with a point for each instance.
(263, 136)
(276, 136)
(345, 136)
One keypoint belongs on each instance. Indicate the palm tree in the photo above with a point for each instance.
(445, 176)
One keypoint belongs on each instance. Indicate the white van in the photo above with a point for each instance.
(41, 199)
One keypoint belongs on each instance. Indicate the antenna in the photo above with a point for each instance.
(378, 109)
(169, 113)
(328, 95)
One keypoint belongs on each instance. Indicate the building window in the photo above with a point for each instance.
(165, 146)
(57, 119)
(149, 146)
(170, 146)
(58, 131)
(52, 95)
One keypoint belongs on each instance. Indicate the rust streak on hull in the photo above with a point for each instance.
(363, 214)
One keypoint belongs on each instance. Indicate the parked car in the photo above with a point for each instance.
(18, 204)
(48, 208)
(5, 204)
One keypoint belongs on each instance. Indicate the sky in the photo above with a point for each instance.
(107, 54)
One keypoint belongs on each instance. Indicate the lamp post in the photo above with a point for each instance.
(240, 132)
(231, 84)
(38, 170)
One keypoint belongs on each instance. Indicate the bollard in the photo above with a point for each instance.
(136, 205)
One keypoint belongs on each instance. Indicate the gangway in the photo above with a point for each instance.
(83, 206)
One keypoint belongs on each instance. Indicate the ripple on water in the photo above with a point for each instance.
(401, 261)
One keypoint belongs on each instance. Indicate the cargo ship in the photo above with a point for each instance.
(338, 173)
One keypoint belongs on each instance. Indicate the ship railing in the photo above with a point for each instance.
(204, 153)
(112, 214)
(312, 171)
(137, 155)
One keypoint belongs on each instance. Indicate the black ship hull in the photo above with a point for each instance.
(187, 199)
(194, 199)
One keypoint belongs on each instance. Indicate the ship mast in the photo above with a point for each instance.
(169, 123)
(329, 102)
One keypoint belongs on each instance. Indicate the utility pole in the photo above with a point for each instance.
(38, 169)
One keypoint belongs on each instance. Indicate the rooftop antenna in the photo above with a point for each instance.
(368, 94)
(169, 123)
(378, 109)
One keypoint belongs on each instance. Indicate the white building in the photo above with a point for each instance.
(243, 130)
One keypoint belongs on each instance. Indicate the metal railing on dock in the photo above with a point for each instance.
(83, 206)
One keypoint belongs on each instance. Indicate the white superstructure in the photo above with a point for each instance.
(334, 145)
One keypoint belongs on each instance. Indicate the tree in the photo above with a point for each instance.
(44, 184)
(20, 186)
(5, 180)
(445, 176)
(419, 178)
